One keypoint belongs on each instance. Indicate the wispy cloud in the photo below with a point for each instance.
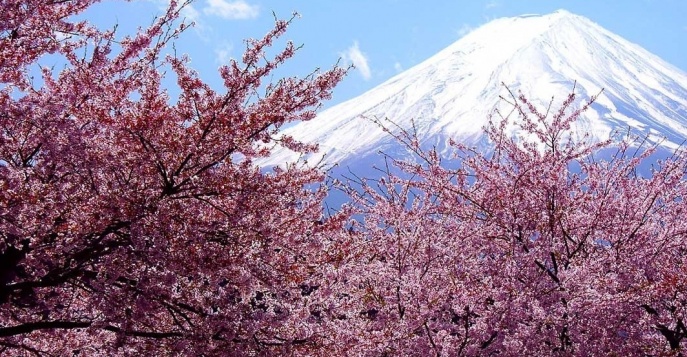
(231, 10)
(359, 60)
(223, 53)
(491, 5)
(398, 67)
(464, 30)
(188, 11)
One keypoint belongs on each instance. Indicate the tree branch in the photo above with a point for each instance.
(59, 324)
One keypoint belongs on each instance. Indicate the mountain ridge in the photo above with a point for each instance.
(451, 94)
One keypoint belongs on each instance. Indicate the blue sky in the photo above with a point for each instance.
(383, 37)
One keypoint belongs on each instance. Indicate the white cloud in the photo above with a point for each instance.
(464, 30)
(231, 10)
(223, 53)
(188, 11)
(355, 56)
(398, 67)
(491, 5)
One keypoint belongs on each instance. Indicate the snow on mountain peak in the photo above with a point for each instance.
(451, 94)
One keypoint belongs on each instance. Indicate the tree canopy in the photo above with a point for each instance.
(134, 222)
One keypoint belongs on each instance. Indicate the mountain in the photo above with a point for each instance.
(451, 94)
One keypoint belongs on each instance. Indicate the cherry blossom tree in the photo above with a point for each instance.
(549, 244)
(134, 222)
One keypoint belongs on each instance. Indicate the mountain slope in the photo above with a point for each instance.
(451, 94)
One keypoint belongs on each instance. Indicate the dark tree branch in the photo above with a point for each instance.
(66, 325)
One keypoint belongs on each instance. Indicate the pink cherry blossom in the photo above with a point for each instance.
(545, 245)
(134, 223)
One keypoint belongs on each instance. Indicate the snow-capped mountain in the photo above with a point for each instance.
(451, 94)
